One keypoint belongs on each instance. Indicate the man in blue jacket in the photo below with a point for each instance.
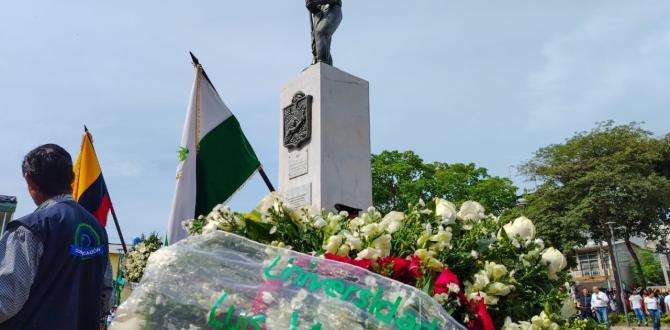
(54, 265)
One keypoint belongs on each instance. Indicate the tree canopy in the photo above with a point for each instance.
(613, 173)
(402, 178)
(651, 268)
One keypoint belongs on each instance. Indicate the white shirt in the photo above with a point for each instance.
(636, 301)
(651, 302)
(599, 300)
(667, 303)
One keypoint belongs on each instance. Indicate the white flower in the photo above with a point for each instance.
(476, 296)
(276, 206)
(268, 298)
(383, 245)
(333, 244)
(442, 236)
(441, 298)
(521, 227)
(369, 253)
(421, 241)
(210, 227)
(499, 289)
(543, 322)
(453, 287)
(474, 254)
(268, 202)
(495, 271)
(344, 214)
(490, 300)
(446, 210)
(540, 243)
(555, 260)
(481, 281)
(333, 224)
(370, 230)
(428, 258)
(509, 325)
(442, 239)
(471, 211)
(354, 242)
(392, 221)
(319, 223)
(356, 223)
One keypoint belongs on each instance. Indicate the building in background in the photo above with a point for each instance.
(664, 258)
(594, 268)
(7, 208)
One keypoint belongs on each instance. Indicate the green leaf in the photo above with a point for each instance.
(183, 153)
(258, 231)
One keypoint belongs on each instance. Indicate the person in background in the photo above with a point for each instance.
(583, 303)
(652, 306)
(54, 265)
(661, 303)
(612, 297)
(599, 302)
(636, 304)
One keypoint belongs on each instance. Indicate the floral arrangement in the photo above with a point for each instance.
(485, 273)
(221, 280)
(137, 257)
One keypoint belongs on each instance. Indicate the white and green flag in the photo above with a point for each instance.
(215, 158)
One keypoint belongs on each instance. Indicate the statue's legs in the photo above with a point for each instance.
(324, 30)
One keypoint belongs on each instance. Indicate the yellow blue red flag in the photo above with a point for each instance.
(89, 187)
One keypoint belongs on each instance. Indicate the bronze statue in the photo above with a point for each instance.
(326, 16)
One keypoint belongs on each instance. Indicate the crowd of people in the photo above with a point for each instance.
(648, 305)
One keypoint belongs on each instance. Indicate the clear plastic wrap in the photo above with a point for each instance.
(224, 281)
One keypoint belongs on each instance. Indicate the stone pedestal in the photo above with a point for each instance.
(326, 158)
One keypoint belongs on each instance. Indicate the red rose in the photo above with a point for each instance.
(363, 263)
(483, 321)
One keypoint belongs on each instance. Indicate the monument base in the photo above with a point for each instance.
(325, 159)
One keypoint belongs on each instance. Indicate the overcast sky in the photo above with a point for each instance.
(487, 82)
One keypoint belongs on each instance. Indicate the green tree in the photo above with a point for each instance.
(609, 174)
(663, 165)
(398, 179)
(651, 269)
(401, 178)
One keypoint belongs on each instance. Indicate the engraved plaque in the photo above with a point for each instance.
(298, 121)
(299, 196)
(298, 163)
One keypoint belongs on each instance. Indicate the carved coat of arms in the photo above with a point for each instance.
(298, 121)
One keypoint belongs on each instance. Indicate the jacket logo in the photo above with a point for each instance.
(86, 243)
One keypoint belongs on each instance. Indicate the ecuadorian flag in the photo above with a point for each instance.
(89, 187)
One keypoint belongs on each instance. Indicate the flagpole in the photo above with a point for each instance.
(111, 205)
(267, 181)
(118, 228)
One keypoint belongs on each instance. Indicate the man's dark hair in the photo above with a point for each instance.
(50, 167)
